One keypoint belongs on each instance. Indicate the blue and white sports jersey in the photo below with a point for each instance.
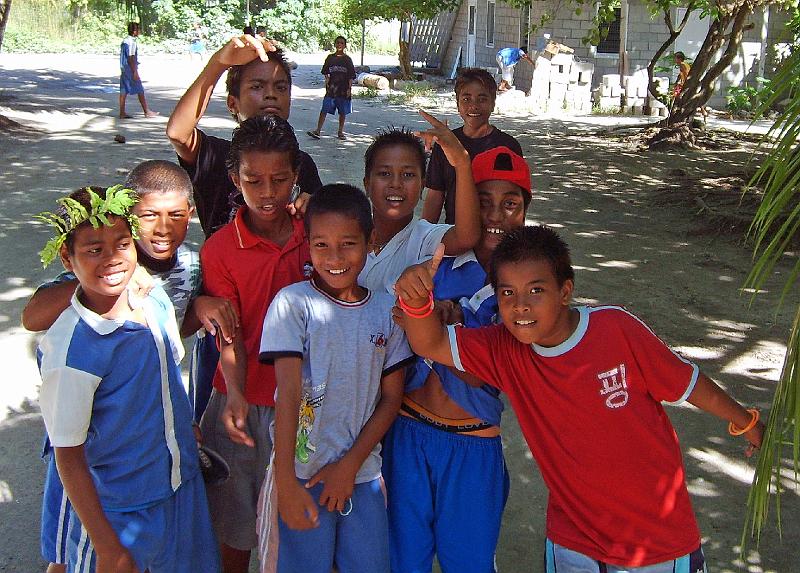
(115, 387)
(462, 278)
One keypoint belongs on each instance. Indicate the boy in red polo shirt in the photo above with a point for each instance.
(247, 262)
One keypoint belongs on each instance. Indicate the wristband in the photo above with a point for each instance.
(733, 430)
(421, 312)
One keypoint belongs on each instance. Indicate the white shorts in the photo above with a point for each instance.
(506, 71)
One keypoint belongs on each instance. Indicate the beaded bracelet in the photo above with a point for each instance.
(735, 431)
(421, 312)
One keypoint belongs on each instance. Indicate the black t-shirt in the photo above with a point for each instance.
(440, 174)
(340, 71)
(215, 195)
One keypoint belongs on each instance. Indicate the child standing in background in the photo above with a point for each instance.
(339, 74)
(129, 80)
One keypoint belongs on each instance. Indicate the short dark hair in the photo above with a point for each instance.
(523, 49)
(132, 27)
(390, 137)
(680, 55)
(343, 199)
(248, 30)
(159, 176)
(264, 133)
(533, 243)
(340, 38)
(233, 81)
(476, 75)
(82, 196)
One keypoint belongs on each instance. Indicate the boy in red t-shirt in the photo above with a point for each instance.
(247, 262)
(586, 384)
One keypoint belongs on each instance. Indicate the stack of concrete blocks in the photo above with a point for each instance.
(579, 88)
(609, 96)
(561, 83)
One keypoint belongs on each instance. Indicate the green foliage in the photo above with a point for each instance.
(385, 10)
(307, 24)
(747, 97)
(366, 93)
(776, 228)
(413, 93)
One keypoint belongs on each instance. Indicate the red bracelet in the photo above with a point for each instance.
(733, 430)
(421, 312)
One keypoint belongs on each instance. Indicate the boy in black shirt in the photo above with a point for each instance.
(339, 75)
(259, 82)
(475, 90)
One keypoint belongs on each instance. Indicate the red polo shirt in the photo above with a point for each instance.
(249, 271)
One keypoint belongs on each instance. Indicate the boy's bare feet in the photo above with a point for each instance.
(125, 116)
(342, 136)
(151, 113)
(312, 133)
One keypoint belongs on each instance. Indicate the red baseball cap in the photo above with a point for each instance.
(503, 164)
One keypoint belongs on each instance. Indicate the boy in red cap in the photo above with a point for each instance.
(446, 424)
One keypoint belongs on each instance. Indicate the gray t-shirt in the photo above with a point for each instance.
(346, 349)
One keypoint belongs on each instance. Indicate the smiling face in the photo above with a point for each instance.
(338, 251)
(263, 88)
(502, 206)
(163, 222)
(103, 260)
(265, 180)
(394, 182)
(475, 104)
(534, 308)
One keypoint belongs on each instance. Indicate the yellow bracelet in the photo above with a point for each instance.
(734, 431)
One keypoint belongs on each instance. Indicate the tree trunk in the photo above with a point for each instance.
(673, 34)
(405, 52)
(5, 12)
(699, 84)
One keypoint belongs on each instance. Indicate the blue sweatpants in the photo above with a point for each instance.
(446, 495)
(56, 510)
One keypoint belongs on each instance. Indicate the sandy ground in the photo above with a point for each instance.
(667, 264)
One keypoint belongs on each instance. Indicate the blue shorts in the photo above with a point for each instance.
(173, 536)
(562, 560)
(197, 47)
(356, 542)
(333, 104)
(56, 510)
(447, 493)
(202, 366)
(127, 85)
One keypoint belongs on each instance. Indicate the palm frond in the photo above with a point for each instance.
(775, 229)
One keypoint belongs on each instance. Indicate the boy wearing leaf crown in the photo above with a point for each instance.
(114, 406)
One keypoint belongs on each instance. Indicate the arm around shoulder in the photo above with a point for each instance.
(47, 304)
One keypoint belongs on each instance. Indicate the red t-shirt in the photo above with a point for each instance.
(249, 271)
(590, 410)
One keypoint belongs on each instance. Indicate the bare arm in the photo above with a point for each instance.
(427, 336)
(182, 124)
(74, 473)
(712, 399)
(295, 504)
(466, 232)
(432, 208)
(233, 362)
(47, 304)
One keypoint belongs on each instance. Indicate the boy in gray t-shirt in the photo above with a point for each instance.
(339, 363)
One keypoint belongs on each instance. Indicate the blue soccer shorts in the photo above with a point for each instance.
(56, 510)
(333, 104)
(447, 493)
(559, 559)
(172, 536)
(356, 541)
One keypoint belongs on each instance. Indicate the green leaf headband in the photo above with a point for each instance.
(71, 214)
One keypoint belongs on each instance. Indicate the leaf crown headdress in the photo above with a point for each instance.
(71, 214)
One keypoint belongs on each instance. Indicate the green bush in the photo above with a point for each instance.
(747, 97)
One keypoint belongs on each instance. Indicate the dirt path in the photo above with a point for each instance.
(631, 244)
